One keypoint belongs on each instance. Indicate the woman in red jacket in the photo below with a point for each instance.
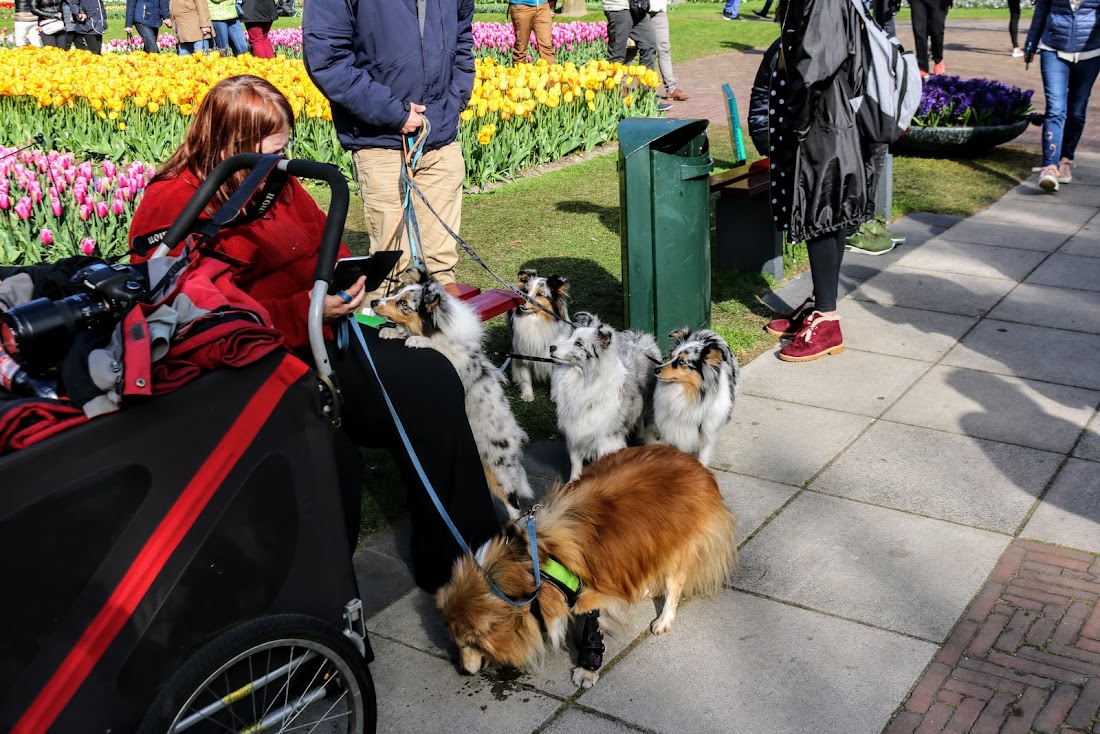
(273, 259)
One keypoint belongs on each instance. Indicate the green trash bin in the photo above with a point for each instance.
(664, 209)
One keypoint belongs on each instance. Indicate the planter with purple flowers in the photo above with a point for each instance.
(963, 116)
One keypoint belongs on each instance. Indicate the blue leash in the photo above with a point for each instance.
(414, 145)
(435, 498)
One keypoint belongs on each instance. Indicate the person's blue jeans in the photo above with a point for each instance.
(731, 9)
(230, 34)
(1067, 87)
(148, 38)
(193, 47)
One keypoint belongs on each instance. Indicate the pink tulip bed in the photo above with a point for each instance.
(577, 42)
(52, 206)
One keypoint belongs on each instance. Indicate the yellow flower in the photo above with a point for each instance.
(467, 115)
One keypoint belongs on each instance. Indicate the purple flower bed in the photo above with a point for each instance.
(950, 101)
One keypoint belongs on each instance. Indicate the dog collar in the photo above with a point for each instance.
(561, 577)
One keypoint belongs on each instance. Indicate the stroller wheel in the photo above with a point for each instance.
(274, 674)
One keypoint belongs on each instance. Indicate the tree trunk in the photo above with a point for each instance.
(573, 8)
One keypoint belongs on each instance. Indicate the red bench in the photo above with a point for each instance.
(488, 303)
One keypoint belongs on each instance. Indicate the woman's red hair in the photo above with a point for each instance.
(234, 117)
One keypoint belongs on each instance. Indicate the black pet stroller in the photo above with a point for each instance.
(181, 565)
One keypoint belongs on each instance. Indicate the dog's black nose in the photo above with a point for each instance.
(553, 349)
(375, 302)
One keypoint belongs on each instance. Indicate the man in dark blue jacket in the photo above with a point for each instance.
(385, 66)
(147, 16)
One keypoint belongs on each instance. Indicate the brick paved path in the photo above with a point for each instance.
(1024, 657)
(972, 48)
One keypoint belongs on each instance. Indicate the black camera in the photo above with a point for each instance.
(38, 334)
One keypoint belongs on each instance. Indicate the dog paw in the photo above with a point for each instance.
(660, 626)
(418, 342)
(392, 332)
(527, 395)
(585, 678)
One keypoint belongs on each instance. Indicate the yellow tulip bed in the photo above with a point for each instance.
(136, 106)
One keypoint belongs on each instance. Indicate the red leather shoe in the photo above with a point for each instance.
(819, 336)
(788, 327)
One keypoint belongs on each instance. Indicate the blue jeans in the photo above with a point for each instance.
(230, 34)
(193, 47)
(148, 37)
(732, 6)
(1066, 87)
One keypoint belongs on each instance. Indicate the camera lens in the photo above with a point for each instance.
(38, 334)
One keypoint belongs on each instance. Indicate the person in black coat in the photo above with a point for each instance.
(257, 16)
(822, 176)
(146, 17)
(50, 10)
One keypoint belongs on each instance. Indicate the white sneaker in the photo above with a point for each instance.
(1017, 53)
(1048, 179)
(1065, 170)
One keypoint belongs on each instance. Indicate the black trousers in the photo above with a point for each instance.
(1014, 22)
(64, 39)
(826, 254)
(431, 403)
(929, 19)
(621, 25)
(88, 42)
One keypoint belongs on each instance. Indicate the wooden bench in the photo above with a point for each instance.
(746, 236)
(488, 304)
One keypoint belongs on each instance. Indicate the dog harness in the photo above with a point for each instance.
(590, 645)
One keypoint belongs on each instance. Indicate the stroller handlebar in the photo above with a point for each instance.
(330, 238)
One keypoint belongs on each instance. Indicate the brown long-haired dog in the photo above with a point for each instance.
(640, 522)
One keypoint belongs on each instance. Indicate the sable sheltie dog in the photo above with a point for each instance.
(695, 390)
(644, 521)
(603, 387)
(534, 330)
(435, 319)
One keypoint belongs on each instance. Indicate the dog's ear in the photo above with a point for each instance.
(431, 296)
(584, 318)
(679, 335)
(526, 275)
(604, 333)
(558, 284)
(714, 356)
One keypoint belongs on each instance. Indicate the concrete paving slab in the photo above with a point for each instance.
(392, 541)
(420, 693)
(415, 621)
(855, 382)
(1082, 192)
(783, 442)
(547, 459)
(1006, 234)
(1058, 308)
(1069, 515)
(752, 500)
(1038, 214)
(984, 261)
(886, 568)
(1089, 448)
(1068, 271)
(945, 292)
(972, 481)
(1083, 244)
(738, 663)
(1035, 352)
(902, 332)
(575, 721)
(997, 407)
(382, 579)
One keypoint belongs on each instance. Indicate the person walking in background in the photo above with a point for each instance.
(622, 24)
(146, 17)
(658, 17)
(228, 28)
(89, 22)
(194, 29)
(528, 15)
(821, 188)
(731, 10)
(763, 13)
(1067, 35)
(51, 18)
(386, 67)
(26, 24)
(257, 16)
(929, 20)
(1014, 27)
